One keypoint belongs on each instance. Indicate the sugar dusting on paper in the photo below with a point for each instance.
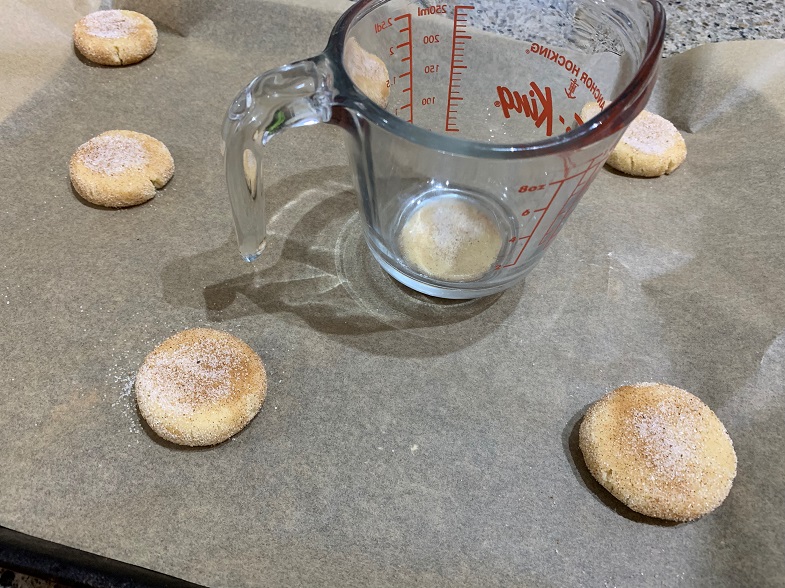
(125, 402)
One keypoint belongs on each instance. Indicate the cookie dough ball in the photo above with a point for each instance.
(200, 387)
(367, 71)
(115, 37)
(120, 168)
(659, 450)
(650, 147)
(450, 239)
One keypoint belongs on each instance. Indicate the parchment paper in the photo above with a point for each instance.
(404, 441)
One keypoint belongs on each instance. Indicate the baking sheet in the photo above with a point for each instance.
(404, 441)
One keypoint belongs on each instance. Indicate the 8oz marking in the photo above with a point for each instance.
(531, 188)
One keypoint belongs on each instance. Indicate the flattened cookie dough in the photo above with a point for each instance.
(120, 168)
(650, 147)
(367, 71)
(115, 37)
(450, 240)
(200, 387)
(659, 450)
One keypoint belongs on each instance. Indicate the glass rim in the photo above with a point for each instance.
(617, 116)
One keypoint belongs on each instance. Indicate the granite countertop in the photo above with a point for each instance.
(690, 23)
(695, 22)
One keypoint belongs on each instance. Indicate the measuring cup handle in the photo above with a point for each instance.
(294, 95)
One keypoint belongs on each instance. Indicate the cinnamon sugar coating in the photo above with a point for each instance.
(659, 450)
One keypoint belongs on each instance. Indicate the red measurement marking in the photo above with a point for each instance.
(456, 67)
(571, 203)
(527, 238)
(407, 58)
(569, 165)
(584, 178)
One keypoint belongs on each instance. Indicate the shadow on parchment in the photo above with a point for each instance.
(572, 450)
(317, 268)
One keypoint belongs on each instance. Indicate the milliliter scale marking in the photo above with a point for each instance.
(457, 66)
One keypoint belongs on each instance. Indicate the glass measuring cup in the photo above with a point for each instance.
(464, 131)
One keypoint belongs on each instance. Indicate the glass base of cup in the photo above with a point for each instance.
(453, 292)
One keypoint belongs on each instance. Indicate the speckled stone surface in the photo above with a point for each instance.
(690, 23)
(694, 22)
